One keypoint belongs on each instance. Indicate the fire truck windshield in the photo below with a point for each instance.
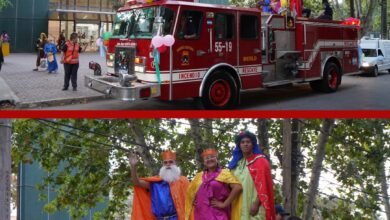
(143, 22)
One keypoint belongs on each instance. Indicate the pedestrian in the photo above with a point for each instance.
(61, 40)
(280, 213)
(252, 169)
(211, 193)
(50, 52)
(327, 12)
(162, 196)
(5, 48)
(41, 53)
(70, 59)
(1, 52)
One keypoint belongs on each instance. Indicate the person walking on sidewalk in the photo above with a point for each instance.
(50, 52)
(70, 59)
(41, 54)
(1, 51)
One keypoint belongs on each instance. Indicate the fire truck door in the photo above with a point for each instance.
(250, 48)
(223, 40)
(191, 48)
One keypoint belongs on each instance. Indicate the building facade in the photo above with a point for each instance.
(31, 204)
(26, 19)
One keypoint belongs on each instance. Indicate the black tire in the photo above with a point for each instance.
(330, 81)
(388, 71)
(374, 72)
(220, 91)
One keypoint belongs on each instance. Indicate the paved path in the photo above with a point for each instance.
(30, 89)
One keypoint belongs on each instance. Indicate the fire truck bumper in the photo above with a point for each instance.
(110, 86)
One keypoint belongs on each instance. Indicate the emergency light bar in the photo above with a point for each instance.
(352, 21)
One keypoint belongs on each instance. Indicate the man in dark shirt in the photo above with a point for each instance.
(327, 13)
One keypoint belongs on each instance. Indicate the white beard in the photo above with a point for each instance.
(171, 174)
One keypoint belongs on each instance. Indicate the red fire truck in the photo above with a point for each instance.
(220, 51)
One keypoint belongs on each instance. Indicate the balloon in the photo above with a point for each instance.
(162, 49)
(157, 41)
(106, 35)
(169, 40)
(98, 42)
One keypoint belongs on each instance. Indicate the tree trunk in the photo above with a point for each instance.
(262, 128)
(367, 20)
(358, 7)
(384, 188)
(290, 164)
(352, 8)
(384, 19)
(143, 149)
(5, 169)
(286, 165)
(326, 129)
(196, 134)
(295, 163)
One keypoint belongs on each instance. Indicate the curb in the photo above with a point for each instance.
(59, 102)
(7, 96)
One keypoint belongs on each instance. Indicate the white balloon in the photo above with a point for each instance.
(157, 41)
(169, 40)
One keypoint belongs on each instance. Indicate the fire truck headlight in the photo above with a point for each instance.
(139, 69)
(365, 64)
(110, 60)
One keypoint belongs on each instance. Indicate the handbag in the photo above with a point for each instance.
(43, 63)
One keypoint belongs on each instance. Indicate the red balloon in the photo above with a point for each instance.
(162, 49)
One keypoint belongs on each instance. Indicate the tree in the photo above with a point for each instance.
(95, 167)
(360, 147)
(4, 4)
(5, 169)
(326, 130)
(93, 154)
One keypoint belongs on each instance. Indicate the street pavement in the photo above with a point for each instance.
(25, 88)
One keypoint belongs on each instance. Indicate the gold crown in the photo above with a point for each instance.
(209, 151)
(168, 155)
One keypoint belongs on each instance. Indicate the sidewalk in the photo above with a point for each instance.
(29, 89)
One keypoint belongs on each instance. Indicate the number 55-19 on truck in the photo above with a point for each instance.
(179, 49)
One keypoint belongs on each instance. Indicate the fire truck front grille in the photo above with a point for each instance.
(124, 60)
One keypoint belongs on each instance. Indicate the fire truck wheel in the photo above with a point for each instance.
(330, 80)
(220, 91)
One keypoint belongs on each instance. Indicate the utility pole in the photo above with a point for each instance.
(5, 169)
(384, 19)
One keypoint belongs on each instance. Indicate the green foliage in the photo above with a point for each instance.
(5, 4)
(87, 159)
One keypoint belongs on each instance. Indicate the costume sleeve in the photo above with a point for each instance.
(261, 174)
(227, 177)
(191, 193)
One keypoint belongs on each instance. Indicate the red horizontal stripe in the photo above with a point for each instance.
(193, 114)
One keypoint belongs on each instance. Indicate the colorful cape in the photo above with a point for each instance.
(225, 177)
(261, 174)
(142, 204)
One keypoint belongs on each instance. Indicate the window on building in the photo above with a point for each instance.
(82, 5)
(94, 5)
(249, 27)
(224, 24)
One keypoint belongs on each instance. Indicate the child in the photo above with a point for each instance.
(50, 52)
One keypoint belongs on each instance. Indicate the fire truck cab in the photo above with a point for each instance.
(220, 51)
